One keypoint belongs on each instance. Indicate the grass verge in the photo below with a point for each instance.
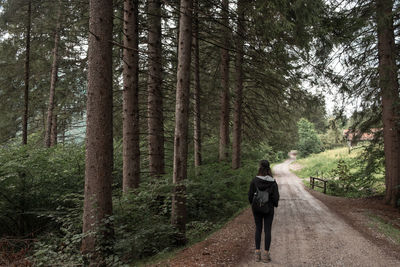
(322, 164)
(386, 228)
(344, 170)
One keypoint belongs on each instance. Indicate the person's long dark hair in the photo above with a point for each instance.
(264, 169)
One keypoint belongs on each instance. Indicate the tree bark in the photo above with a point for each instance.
(154, 83)
(197, 88)
(389, 85)
(53, 80)
(99, 135)
(178, 213)
(178, 8)
(63, 130)
(237, 121)
(27, 73)
(131, 151)
(224, 115)
(53, 136)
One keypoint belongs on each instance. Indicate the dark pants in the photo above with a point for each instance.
(258, 218)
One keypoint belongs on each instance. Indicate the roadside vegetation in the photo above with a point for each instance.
(45, 191)
(386, 228)
(348, 173)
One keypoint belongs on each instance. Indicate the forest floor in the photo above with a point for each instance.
(309, 229)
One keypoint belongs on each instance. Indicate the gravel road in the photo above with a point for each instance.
(306, 233)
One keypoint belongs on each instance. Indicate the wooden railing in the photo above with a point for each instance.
(314, 184)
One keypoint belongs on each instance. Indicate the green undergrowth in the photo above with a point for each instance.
(214, 194)
(45, 191)
(323, 163)
(348, 172)
(386, 228)
(163, 256)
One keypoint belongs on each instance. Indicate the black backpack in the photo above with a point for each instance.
(261, 202)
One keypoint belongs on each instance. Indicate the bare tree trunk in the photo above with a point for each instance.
(197, 92)
(131, 152)
(154, 82)
(237, 121)
(27, 71)
(53, 137)
(53, 80)
(390, 99)
(99, 135)
(63, 129)
(178, 213)
(178, 7)
(224, 115)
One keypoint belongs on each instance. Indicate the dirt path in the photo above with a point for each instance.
(304, 233)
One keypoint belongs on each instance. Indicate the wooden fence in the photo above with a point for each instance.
(313, 183)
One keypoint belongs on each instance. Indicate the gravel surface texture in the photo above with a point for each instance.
(305, 232)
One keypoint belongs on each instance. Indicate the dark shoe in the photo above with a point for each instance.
(258, 256)
(267, 257)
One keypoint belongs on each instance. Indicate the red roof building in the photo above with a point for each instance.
(353, 137)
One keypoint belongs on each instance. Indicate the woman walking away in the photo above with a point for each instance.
(263, 197)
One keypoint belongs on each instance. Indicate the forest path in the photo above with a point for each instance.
(305, 232)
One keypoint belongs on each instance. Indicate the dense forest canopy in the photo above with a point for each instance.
(274, 65)
(104, 97)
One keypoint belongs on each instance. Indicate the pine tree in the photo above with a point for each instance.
(27, 73)
(178, 213)
(99, 135)
(54, 73)
(388, 83)
(131, 151)
(154, 86)
(54, 129)
(365, 33)
(224, 113)
(196, 88)
(237, 121)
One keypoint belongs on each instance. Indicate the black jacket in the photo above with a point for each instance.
(265, 183)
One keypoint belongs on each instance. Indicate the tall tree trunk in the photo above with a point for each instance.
(237, 121)
(178, 7)
(178, 213)
(27, 71)
(196, 94)
(63, 130)
(53, 137)
(131, 152)
(22, 217)
(99, 134)
(53, 80)
(389, 85)
(224, 115)
(154, 82)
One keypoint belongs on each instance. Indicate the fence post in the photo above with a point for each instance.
(324, 187)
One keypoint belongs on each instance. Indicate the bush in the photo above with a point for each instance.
(142, 218)
(61, 244)
(35, 180)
